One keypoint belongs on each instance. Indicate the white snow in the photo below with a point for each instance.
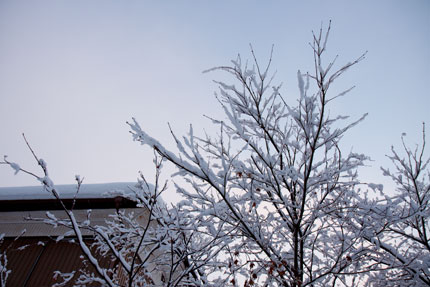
(65, 191)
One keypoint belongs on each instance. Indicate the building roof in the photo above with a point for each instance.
(34, 260)
(34, 256)
(68, 191)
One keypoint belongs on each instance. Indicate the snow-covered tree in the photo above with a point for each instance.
(399, 229)
(271, 200)
(157, 250)
(274, 182)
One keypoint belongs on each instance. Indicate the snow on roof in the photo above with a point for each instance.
(98, 190)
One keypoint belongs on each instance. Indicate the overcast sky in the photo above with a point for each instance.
(73, 72)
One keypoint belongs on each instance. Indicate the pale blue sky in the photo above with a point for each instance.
(73, 72)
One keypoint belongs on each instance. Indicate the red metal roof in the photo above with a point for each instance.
(35, 265)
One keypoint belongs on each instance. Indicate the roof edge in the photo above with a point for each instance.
(117, 202)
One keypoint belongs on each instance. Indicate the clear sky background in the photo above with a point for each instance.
(73, 72)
